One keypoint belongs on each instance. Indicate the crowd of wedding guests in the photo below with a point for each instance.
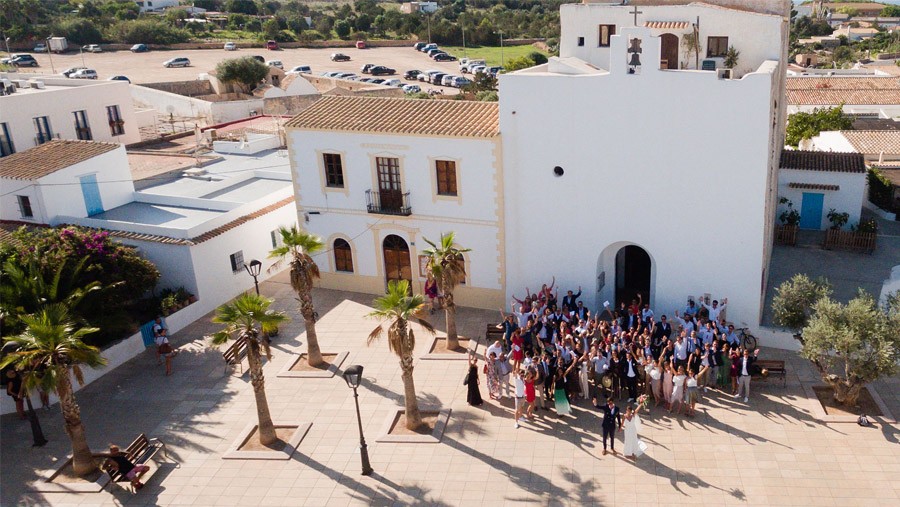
(555, 351)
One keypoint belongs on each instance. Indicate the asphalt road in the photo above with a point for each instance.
(148, 68)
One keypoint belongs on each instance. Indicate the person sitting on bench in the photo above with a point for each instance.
(117, 461)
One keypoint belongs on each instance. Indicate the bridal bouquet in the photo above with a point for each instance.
(643, 400)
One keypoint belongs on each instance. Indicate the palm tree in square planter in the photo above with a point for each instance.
(396, 308)
(448, 267)
(247, 318)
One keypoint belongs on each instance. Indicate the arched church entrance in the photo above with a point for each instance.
(633, 275)
(397, 264)
(668, 53)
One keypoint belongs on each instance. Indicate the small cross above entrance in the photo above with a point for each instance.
(636, 12)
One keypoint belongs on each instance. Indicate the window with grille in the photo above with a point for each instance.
(6, 144)
(25, 206)
(446, 177)
(116, 123)
(237, 261)
(343, 256)
(42, 129)
(606, 31)
(716, 46)
(82, 129)
(334, 170)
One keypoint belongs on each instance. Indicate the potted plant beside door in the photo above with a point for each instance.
(786, 232)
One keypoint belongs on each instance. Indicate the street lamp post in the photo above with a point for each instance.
(50, 55)
(6, 39)
(253, 270)
(502, 61)
(353, 376)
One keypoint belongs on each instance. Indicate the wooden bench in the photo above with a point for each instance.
(140, 452)
(235, 354)
(773, 367)
(492, 334)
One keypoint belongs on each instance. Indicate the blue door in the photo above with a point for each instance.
(91, 192)
(811, 210)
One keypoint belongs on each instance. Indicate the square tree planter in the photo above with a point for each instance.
(435, 418)
(290, 433)
(57, 480)
(297, 368)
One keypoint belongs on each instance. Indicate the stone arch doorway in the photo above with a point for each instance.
(633, 274)
(397, 265)
(668, 53)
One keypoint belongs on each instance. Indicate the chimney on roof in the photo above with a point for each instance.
(881, 157)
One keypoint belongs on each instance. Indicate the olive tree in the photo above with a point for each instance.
(245, 72)
(794, 300)
(852, 345)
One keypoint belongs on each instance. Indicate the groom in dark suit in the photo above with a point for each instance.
(612, 419)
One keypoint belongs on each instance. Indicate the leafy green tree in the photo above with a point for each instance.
(808, 125)
(242, 7)
(731, 57)
(481, 81)
(890, 11)
(210, 5)
(396, 308)
(852, 345)
(237, 21)
(487, 96)
(342, 28)
(271, 30)
(300, 246)
(519, 63)
(805, 27)
(78, 31)
(795, 298)
(52, 339)
(448, 267)
(363, 22)
(537, 57)
(245, 72)
(248, 318)
(147, 31)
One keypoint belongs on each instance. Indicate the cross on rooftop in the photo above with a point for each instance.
(636, 12)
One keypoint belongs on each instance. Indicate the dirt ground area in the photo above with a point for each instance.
(148, 68)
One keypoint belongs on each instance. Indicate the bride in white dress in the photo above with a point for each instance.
(634, 447)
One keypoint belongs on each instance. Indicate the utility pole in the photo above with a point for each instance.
(50, 55)
(429, 28)
(502, 61)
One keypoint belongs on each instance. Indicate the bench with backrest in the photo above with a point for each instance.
(235, 354)
(140, 452)
(492, 334)
(772, 367)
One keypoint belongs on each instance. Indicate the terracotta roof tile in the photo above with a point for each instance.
(50, 157)
(874, 141)
(813, 186)
(242, 220)
(841, 83)
(893, 175)
(823, 91)
(450, 118)
(822, 161)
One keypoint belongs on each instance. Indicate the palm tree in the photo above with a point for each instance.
(301, 245)
(243, 319)
(51, 339)
(397, 307)
(448, 267)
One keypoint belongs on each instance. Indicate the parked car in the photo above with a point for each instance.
(71, 70)
(446, 80)
(411, 75)
(40, 47)
(381, 70)
(139, 48)
(258, 58)
(411, 88)
(494, 70)
(271, 45)
(466, 63)
(376, 80)
(444, 57)
(92, 48)
(345, 75)
(460, 81)
(340, 57)
(230, 46)
(434, 51)
(360, 44)
(436, 79)
(275, 63)
(177, 62)
(118, 78)
(427, 47)
(84, 74)
(478, 68)
(393, 82)
(419, 45)
(425, 77)
(330, 73)
(365, 68)
(300, 69)
(23, 60)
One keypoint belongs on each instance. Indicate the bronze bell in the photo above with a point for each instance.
(635, 59)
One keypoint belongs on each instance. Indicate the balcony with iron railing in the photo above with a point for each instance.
(388, 203)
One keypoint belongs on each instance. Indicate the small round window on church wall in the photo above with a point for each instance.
(558, 171)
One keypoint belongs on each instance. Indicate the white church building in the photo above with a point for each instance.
(632, 163)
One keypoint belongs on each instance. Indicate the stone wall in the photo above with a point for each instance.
(193, 88)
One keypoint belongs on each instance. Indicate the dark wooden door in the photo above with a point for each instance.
(397, 265)
(389, 192)
(669, 51)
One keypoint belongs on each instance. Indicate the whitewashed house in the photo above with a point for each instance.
(816, 182)
(35, 109)
(375, 176)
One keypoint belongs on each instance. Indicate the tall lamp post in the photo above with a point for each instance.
(50, 55)
(253, 269)
(353, 376)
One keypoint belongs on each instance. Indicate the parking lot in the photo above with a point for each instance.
(148, 68)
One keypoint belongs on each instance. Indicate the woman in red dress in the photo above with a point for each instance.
(518, 350)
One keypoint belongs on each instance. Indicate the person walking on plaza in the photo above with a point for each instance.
(612, 419)
(473, 396)
(744, 364)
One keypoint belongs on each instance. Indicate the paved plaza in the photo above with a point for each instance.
(770, 452)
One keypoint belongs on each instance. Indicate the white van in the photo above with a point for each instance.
(300, 69)
(467, 63)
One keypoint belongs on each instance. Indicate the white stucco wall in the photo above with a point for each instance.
(180, 105)
(849, 198)
(756, 36)
(59, 101)
(474, 216)
(650, 159)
